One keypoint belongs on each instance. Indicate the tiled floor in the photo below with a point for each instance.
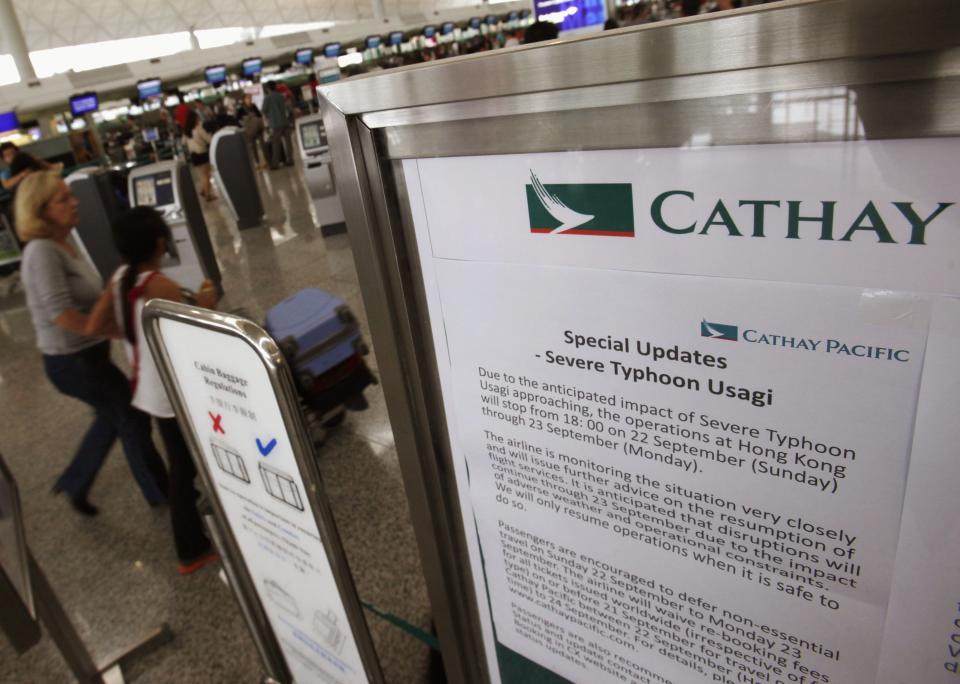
(116, 574)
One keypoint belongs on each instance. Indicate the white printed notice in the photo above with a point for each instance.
(682, 399)
(234, 412)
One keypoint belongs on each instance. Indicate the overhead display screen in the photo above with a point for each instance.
(148, 88)
(569, 15)
(373, 42)
(215, 74)
(252, 66)
(83, 104)
(304, 56)
(429, 31)
(396, 38)
(331, 50)
(446, 28)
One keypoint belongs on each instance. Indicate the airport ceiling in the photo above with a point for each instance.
(56, 23)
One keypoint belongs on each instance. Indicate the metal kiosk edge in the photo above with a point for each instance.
(257, 341)
(233, 173)
(640, 87)
(98, 209)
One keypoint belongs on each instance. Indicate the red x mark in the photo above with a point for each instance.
(216, 423)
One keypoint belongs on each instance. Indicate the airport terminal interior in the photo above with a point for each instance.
(462, 217)
(117, 572)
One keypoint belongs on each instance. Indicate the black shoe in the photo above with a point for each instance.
(84, 507)
(80, 504)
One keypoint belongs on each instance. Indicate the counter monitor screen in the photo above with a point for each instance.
(304, 56)
(396, 38)
(446, 28)
(151, 135)
(154, 191)
(149, 88)
(331, 50)
(373, 42)
(252, 66)
(215, 75)
(84, 104)
(313, 136)
(429, 31)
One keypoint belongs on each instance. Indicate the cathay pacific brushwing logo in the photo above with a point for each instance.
(718, 331)
(580, 208)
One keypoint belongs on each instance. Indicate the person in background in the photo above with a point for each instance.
(277, 118)
(540, 31)
(61, 287)
(141, 237)
(252, 123)
(230, 106)
(180, 115)
(20, 164)
(198, 145)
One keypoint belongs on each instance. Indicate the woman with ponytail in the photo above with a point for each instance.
(141, 237)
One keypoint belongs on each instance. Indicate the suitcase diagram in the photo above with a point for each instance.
(281, 486)
(280, 597)
(326, 627)
(230, 462)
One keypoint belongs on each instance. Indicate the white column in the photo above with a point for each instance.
(14, 42)
(379, 13)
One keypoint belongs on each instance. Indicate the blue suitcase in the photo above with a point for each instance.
(316, 332)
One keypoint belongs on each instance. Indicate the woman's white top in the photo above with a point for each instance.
(199, 140)
(148, 394)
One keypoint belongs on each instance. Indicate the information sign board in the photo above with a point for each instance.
(689, 419)
(230, 392)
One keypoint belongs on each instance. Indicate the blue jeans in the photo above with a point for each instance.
(90, 376)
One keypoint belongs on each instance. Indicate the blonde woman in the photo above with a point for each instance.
(61, 288)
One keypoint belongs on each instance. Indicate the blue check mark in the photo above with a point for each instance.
(265, 449)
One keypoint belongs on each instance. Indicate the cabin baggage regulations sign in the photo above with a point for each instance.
(684, 384)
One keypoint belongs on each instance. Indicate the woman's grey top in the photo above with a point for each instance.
(54, 282)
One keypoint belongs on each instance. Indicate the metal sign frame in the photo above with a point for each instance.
(882, 71)
(282, 383)
(15, 513)
(18, 612)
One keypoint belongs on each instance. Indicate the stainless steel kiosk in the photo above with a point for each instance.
(168, 186)
(687, 155)
(233, 173)
(98, 207)
(319, 176)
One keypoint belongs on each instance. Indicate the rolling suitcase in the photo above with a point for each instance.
(316, 332)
